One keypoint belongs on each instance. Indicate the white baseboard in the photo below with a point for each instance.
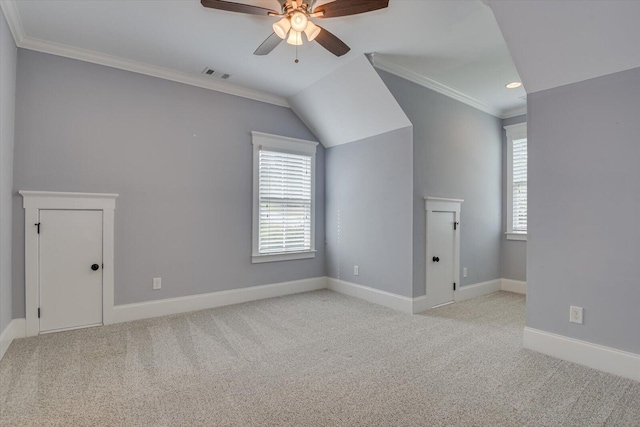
(517, 286)
(464, 293)
(15, 329)
(146, 310)
(595, 356)
(164, 307)
(420, 304)
(406, 304)
(387, 299)
(477, 290)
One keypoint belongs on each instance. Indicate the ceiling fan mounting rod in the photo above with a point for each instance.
(289, 9)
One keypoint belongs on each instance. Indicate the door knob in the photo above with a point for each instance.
(436, 259)
(94, 267)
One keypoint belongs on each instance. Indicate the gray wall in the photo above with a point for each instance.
(584, 205)
(7, 110)
(457, 153)
(514, 252)
(369, 196)
(179, 156)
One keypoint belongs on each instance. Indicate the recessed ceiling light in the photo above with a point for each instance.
(513, 85)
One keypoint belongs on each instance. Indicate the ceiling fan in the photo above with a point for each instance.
(296, 20)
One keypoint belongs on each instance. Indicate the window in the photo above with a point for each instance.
(517, 181)
(283, 198)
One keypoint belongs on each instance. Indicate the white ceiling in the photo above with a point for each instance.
(555, 43)
(454, 44)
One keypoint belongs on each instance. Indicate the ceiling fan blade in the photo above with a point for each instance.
(332, 43)
(237, 7)
(268, 45)
(349, 7)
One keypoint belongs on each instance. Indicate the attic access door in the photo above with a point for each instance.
(70, 258)
(86, 213)
(442, 251)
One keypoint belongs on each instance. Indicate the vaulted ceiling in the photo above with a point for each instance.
(452, 46)
(555, 43)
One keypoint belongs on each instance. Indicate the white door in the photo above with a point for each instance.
(70, 246)
(440, 258)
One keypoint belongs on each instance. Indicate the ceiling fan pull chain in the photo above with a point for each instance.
(296, 61)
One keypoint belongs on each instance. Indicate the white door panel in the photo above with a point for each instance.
(440, 259)
(70, 242)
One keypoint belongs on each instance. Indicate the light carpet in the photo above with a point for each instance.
(312, 359)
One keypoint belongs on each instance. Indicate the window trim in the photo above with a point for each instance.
(285, 145)
(517, 131)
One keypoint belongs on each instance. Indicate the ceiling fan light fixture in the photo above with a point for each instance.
(299, 21)
(294, 19)
(282, 27)
(312, 31)
(295, 38)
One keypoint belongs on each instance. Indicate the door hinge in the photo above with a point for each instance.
(38, 225)
(455, 225)
(38, 312)
(454, 286)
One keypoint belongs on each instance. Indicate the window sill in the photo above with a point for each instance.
(517, 236)
(257, 259)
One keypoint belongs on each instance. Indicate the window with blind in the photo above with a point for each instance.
(284, 187)
(517, 181)
(519, 185)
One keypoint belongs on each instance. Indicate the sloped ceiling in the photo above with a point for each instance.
(348, 105)
(555, 43)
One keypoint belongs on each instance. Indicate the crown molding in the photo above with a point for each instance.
(412, 76)
(149, 70)
(514, 112)
(23, 41)
(11, 13)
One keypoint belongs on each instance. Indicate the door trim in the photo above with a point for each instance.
(33, 201)
(440, 204)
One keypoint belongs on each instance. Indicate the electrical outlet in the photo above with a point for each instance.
(356, 270)
(575, 314)
(157, 283)
(464, 272)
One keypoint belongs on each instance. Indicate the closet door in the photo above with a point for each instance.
(70, 269)
(440, 258)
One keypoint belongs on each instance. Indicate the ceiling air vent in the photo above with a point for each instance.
(210, 72)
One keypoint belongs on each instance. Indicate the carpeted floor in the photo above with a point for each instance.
(313, 359)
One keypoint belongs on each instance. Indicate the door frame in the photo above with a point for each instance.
(33, 201)
(441, 204)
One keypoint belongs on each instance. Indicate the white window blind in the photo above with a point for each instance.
(285, 202)
(519, 165)
(516, 190)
